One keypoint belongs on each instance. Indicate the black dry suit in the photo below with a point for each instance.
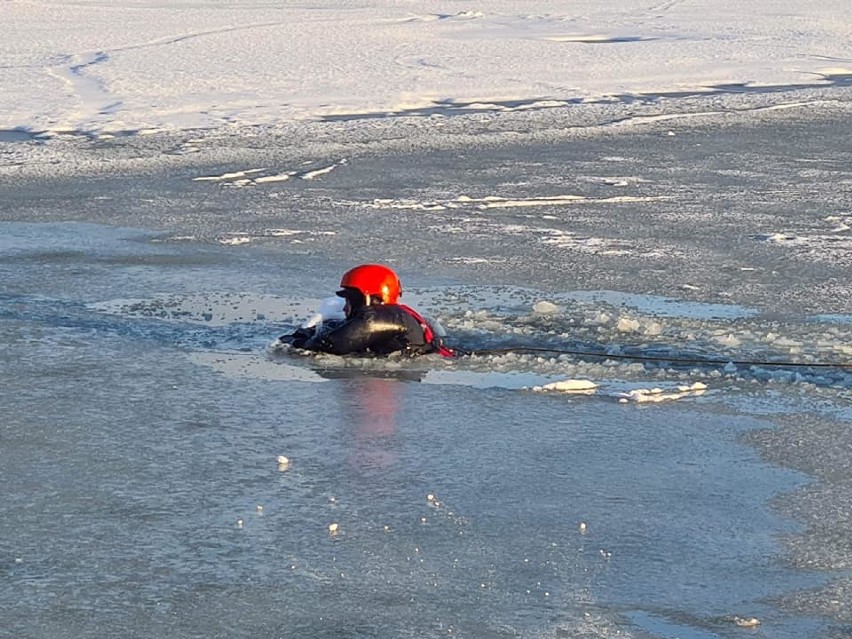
(377, 329)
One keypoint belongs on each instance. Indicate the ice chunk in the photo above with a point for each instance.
(331, 308)
(569, 386)
(545, 308)
(642, 395)
(627, 325)
(730, 340)
(653, 329)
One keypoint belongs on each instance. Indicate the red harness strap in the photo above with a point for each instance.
(428, 333)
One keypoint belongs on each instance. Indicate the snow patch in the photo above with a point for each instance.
(312, 175)
(236, 239)
(226, 177)
(594, 245)
(278, 177)
(781, 238)
(239, 238)
(250, 177)
(469, 260)
(501, 202)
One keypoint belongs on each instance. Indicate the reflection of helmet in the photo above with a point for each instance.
(374, 280)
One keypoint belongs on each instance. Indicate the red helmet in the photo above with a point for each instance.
(374, 280)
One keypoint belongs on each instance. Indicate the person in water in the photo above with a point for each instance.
(376, 323)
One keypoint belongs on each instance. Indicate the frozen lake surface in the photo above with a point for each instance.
(634, 214)
(109, 68)
(145, 408)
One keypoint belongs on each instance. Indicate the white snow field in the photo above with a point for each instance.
(118, 66)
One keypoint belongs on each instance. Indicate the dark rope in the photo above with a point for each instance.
(651, 358)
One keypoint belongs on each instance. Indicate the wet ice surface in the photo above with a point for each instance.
(140, 450)
(719, 214)
(147, 405)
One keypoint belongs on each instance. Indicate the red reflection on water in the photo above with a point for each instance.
(373, 404)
